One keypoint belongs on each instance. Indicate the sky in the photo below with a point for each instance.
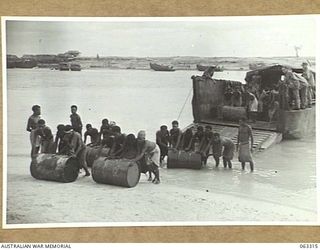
(272, 36)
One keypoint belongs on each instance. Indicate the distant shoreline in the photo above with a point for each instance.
(180, 62)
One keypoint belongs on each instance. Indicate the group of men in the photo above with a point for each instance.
(294, 91)
(148, 155)
(204, 139)
(297, 91)
(68, 141)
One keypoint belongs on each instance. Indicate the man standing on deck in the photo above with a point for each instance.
(75, 120)
(308, 75)
(298, 86)
(243, 144)
(76, 147)
(31, 127)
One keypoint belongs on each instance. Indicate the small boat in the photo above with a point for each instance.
(254, 66)
(75, 67)
(203, 67)
(158, 67)
(64, 66)
(26, 63)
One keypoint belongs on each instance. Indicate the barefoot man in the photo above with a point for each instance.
(151, 152)
(245, 148)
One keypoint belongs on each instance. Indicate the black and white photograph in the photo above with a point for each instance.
(151, 121)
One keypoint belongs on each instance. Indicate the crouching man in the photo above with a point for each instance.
(76, 147)
(150, 153)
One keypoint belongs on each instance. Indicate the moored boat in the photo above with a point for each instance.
(75, 67)
(255, 66)
(203, 67)
(26, 63)
(64, 67)
(158, 67)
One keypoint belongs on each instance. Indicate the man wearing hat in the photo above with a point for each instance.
(76, 147)
(308, 75)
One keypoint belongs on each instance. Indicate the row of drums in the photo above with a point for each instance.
(119, 172)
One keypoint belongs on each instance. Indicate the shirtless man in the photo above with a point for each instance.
(175, 135)
(46, 142)
(93, 133)
(228, 149)
(244, 134)
(163, 138)
(75, 120)
(31, 127)
(208, 135)
(117, 142)
(151, 152)
(59, 142)
(105, 129)
(76, 147)
(130, 148)
(187, 139)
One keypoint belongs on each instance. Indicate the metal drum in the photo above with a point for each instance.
(93, 154)
(119, 172)
(183, 159)
(53, 167)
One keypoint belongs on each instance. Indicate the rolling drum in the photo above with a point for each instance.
(52, 167)
(118, 172)
(92, 154)
(183, 159)
(233, 113)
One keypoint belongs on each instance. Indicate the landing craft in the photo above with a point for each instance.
(210, 107)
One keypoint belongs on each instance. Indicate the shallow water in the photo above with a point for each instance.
(142, 99)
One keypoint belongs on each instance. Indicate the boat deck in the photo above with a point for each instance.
(263, 138)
